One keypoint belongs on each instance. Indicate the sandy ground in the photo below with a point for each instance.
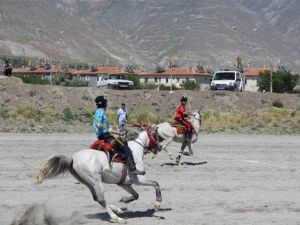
(232, 179)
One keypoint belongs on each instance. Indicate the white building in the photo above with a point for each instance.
(175, 76)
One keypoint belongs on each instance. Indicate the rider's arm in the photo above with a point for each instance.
(188, 114)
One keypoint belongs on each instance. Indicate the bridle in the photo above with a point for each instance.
(153, 144)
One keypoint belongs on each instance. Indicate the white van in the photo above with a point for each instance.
(228, 80)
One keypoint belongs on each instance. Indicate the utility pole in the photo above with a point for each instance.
(171, 66)
(51, 70)
(171, 91)
(271, 79)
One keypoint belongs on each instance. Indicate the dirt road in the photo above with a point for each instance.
(232, 179)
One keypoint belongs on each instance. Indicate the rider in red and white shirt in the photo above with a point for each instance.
(181, 115)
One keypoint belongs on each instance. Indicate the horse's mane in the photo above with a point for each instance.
(132, 135)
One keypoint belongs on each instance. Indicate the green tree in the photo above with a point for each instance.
(163, 87)
(283, 81)
(135, 80)
(34, 79)
(188, 84)
(65, 79)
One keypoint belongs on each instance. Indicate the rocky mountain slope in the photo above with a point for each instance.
(145, 32)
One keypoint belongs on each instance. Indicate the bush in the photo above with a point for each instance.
(67, 115)
(148, 86)
(277, 103)
(163, 87)
(64, 79)
(297, 89)
(35, 79)
(188, 84)
(4, 113)
(32, 93)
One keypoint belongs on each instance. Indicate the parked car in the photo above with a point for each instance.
(228, 80)
(118, 81)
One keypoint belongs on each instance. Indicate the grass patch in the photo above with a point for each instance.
(271, 120)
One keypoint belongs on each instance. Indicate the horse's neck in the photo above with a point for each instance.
(140, 144)
(196, 124)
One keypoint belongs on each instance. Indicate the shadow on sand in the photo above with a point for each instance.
(184, 163)
(128, 214)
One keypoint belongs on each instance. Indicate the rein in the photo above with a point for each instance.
(152, 141)
(144, 147)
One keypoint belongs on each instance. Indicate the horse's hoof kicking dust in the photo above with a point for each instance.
(157, 206)
(118, 220)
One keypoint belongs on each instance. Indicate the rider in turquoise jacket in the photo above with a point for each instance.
(101, 126)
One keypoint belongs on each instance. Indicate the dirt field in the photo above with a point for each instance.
(232, 179)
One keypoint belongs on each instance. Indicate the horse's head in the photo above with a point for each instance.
(149, 139)
(197, 115)
(196, 120)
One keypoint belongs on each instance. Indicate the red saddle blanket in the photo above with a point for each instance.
(108, 149)
(180, 129)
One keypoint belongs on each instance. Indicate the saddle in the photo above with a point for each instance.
(111, 151)
(180, 129)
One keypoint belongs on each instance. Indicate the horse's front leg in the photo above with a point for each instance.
(164, 145)
(129, 189)
(97, 191)
(147, 182)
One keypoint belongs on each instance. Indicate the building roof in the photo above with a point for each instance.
(99, 70)
(39, 70)
(180, 71)
(253, 72)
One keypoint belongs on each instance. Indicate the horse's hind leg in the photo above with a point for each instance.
(190, 148)
(129, 189)
(97, 191)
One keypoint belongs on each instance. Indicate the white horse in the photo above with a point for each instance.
(91, 167)
(168, 133)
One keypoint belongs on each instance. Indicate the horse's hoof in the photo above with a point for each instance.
(119, 211)
(124, 200)
(118, 220)
(157, 206)
(178, 161)
(186, 154)
(121, 221)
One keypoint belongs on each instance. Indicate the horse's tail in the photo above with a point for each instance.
(55, 166)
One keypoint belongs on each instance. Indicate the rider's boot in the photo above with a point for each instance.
(130, 162)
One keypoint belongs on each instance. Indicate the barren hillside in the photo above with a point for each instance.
(37, 108)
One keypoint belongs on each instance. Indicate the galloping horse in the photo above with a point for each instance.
(91, 167)
(169, 133)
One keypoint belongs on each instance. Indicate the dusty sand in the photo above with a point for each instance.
(232, 179)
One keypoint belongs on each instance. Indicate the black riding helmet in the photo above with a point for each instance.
(183, 99)
(101, 101)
